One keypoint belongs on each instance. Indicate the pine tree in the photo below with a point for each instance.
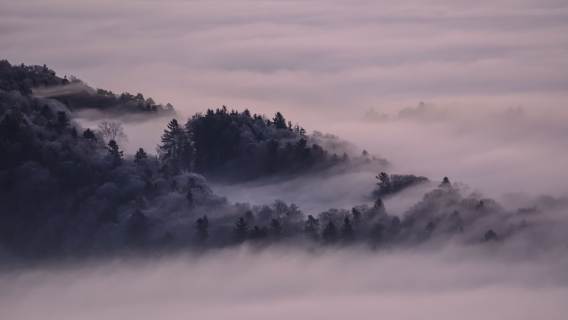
(384, 183)
(279, 121)
(140, 156)
(114, 152)
(445, 183)
(89, 135)
(176, 150)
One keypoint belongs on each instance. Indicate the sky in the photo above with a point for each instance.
(474, 91)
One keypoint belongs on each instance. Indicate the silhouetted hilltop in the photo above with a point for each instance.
(232, 145)
(24, 78)
(64, 191)
(76, 95)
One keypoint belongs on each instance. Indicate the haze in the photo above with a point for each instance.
(475, 91)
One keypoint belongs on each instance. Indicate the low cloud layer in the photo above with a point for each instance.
(491, 74)
(324, 64)
(319, 59)
(279, 284)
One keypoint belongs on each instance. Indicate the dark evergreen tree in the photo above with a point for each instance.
(89, 135)
(114, 152)
(446, 182)
(176, 149)
(140, 156)
(279, 121)
(384, 183)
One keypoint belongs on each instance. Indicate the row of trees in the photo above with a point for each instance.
(65, 190)
(239, 145)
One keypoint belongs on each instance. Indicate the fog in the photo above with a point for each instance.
(476, 92)
(325, 64)
(312, 60)
(464, 283)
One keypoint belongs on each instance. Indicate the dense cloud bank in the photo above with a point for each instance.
(464, 283)
(304, 58)
(268, 216)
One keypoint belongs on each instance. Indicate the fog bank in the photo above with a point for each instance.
(452, 283)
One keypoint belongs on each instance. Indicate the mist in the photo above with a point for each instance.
(474, 93)
(282, 283)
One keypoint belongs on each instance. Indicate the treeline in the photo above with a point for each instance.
(107, 101)
(65, 191)
(75, 94)
(394, 183)
(236, 145)
(23, 78)
(443, 214)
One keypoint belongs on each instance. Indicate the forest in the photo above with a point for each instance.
(68, 191)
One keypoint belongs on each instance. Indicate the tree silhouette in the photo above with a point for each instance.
(176, 150)
(89, 135)
(384, 182)
(279, 121)
(446, 182)
(112, 130)
(114, 152)
(140, 156)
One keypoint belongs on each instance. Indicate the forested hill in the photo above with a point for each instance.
(231, 145)
(64, 190)
(75, 94)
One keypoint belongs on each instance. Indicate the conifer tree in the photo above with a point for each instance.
(140, 156)
(115, 153)
(279, 121)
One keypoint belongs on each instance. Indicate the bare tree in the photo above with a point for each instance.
(112, 130)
